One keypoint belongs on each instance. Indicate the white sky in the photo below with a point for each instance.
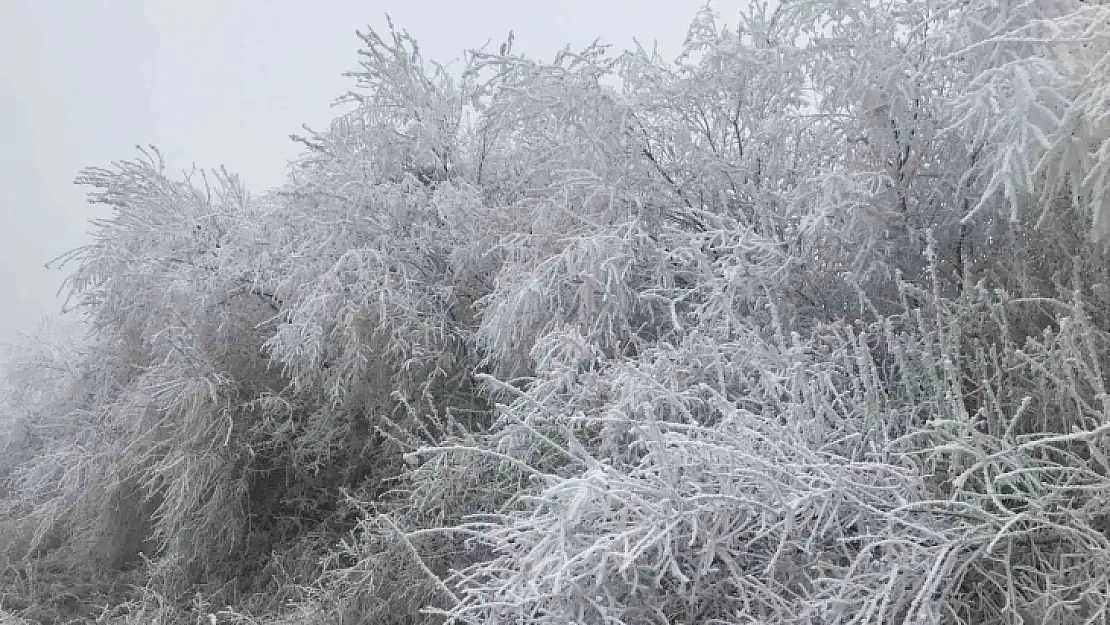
(216, 82)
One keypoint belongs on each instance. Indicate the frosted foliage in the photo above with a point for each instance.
(808, 325)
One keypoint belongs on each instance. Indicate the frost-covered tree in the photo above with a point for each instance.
(807, 325)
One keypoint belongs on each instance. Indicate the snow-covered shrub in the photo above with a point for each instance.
(806, 326)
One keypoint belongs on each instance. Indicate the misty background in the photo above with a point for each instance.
(218, 82)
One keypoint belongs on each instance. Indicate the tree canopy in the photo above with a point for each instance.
(809, 325)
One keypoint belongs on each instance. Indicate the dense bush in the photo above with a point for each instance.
(809, 325)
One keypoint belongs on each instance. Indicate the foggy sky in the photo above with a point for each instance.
(216, 82)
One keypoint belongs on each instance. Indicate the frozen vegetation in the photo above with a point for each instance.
(810, 325)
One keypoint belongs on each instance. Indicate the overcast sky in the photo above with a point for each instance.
(218, 82)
